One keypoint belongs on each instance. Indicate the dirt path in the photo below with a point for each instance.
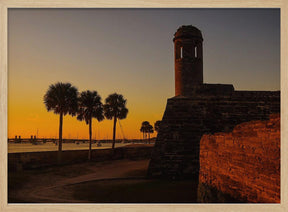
(47, 185)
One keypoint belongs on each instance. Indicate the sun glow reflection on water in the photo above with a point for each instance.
(49, 146)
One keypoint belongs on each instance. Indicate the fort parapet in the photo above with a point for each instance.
(243, 164)
(199, 109)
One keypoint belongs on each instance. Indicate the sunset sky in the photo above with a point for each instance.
(128, 51)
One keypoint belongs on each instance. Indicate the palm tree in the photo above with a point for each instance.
(115, 108)
(62, 99)
(149, 130)
(90, 106)
(143, 128)
(157, 125)
(146, 128)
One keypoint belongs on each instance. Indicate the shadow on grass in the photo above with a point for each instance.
(133, 188)
(135, 191)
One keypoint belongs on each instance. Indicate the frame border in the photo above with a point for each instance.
(6, 4)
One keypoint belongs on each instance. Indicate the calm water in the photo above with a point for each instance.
(49, 146)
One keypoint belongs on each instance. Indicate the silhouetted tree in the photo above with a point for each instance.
(149, 130)
(115, 108)
(157, 125)
(146, 128)
(143, 128)
(62, 99)
(90, 106)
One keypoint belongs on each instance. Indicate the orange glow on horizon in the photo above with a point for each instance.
(26, 118)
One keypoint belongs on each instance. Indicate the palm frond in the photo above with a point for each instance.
(61, 98)
(115, 106)
(90, 106)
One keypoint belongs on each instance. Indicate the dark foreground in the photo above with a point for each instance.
(120, 181)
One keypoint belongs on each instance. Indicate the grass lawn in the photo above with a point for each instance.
(135, 191)
(120, 181)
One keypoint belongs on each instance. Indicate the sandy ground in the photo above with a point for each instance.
(47, 185)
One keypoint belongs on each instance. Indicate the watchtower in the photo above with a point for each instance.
(188, 53)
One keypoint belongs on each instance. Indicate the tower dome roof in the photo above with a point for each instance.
(188, 31)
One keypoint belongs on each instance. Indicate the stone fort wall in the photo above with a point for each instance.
(243, 164)
(214, 108)
(34, 160)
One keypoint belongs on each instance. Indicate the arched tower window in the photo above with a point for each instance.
(181, 52)
(195, 52)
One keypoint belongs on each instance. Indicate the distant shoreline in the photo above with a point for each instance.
(50, 146)
(72, 140)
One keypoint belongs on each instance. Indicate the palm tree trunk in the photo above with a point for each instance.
(90, 139)
(60, 139)
(149, 137)
(114, 132)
